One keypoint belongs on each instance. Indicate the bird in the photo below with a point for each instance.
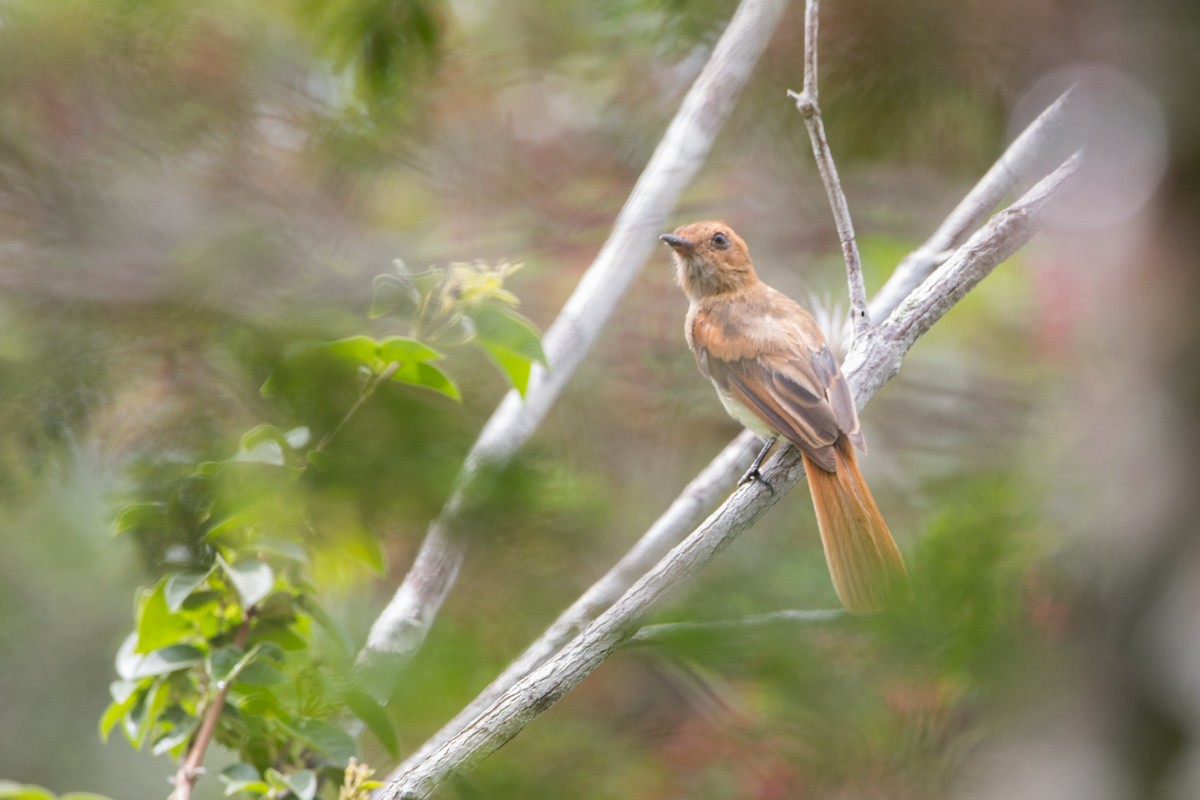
(775, 374)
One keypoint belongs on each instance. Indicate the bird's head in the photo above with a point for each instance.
(710, 259)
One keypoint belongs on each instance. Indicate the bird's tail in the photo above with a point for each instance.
(864, 562)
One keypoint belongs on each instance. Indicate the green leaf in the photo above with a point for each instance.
(427, 376)
(327, 622)
(82, 796)
(132, 666)
(514, 366)
(375, 718)
(125, 697)
(283, 548)
(252, 578)
(242, 778)
(324, 738)
(360, 349)
(181, 584)
(303, 784)
(142, 719)
(157, 625)
(263, 444)
(406, 349)
(140, 516)
(391, 293)
(508, 329)
(18, 791)
(167, 743)
(260, 673)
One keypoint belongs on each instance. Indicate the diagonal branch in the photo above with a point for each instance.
(807, 105)
(401, 627)
(683, 515)
(872, 361)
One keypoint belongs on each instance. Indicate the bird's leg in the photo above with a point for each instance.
(753, 474)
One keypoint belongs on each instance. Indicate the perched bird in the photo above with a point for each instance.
(775, 374)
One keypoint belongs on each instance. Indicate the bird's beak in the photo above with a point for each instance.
(676, 242)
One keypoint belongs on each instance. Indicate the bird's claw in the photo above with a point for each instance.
(753, 475)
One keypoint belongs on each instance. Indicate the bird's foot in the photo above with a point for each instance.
(753, 475)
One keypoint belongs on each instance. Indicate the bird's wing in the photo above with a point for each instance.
(780, 380)
(786, 400)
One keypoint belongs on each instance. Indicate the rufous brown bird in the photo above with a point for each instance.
(775, 374)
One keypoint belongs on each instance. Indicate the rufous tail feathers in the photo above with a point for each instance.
(864, 562)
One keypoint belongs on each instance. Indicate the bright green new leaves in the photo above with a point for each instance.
(18, 791)
(511, 341)
(464, 304)
(397, 358)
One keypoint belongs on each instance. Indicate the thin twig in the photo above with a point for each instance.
(871, 362)
(810, 109)
(189, 769)
(401, 627)
(653, 634)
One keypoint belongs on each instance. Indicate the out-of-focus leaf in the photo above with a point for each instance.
(140, 516)
(165, 744)
(405, 349)
(359, 349)
(502, 326)
(392, 293)
(132, 666)
(429, 377)
(514, 366)
(82, 796)
(157, 625)
(327, 622)
(242, 778)
(260, 673)
(282, 548)
(302, 783)
(252, 578)
(144, 716)
(375, 718)
(123, 700)
(19, 791)
(181, 584)
(324, 738)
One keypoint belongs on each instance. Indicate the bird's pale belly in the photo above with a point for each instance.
(744, 415)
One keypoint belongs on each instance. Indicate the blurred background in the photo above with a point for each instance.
(189, 190)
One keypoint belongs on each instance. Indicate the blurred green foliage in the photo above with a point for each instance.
(232, 645)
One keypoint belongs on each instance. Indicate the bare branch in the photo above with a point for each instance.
(810, 109)
(688, 509)
(1013, 167)
(402, 626)
(871, 362)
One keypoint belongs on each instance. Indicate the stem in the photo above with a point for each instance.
(189, 770)
(810, 110)
(367, 391)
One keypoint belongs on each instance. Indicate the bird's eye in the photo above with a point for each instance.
(720, 240)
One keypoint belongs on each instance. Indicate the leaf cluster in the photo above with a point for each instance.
(232, 643)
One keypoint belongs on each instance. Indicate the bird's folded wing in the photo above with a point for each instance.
(784, 392)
